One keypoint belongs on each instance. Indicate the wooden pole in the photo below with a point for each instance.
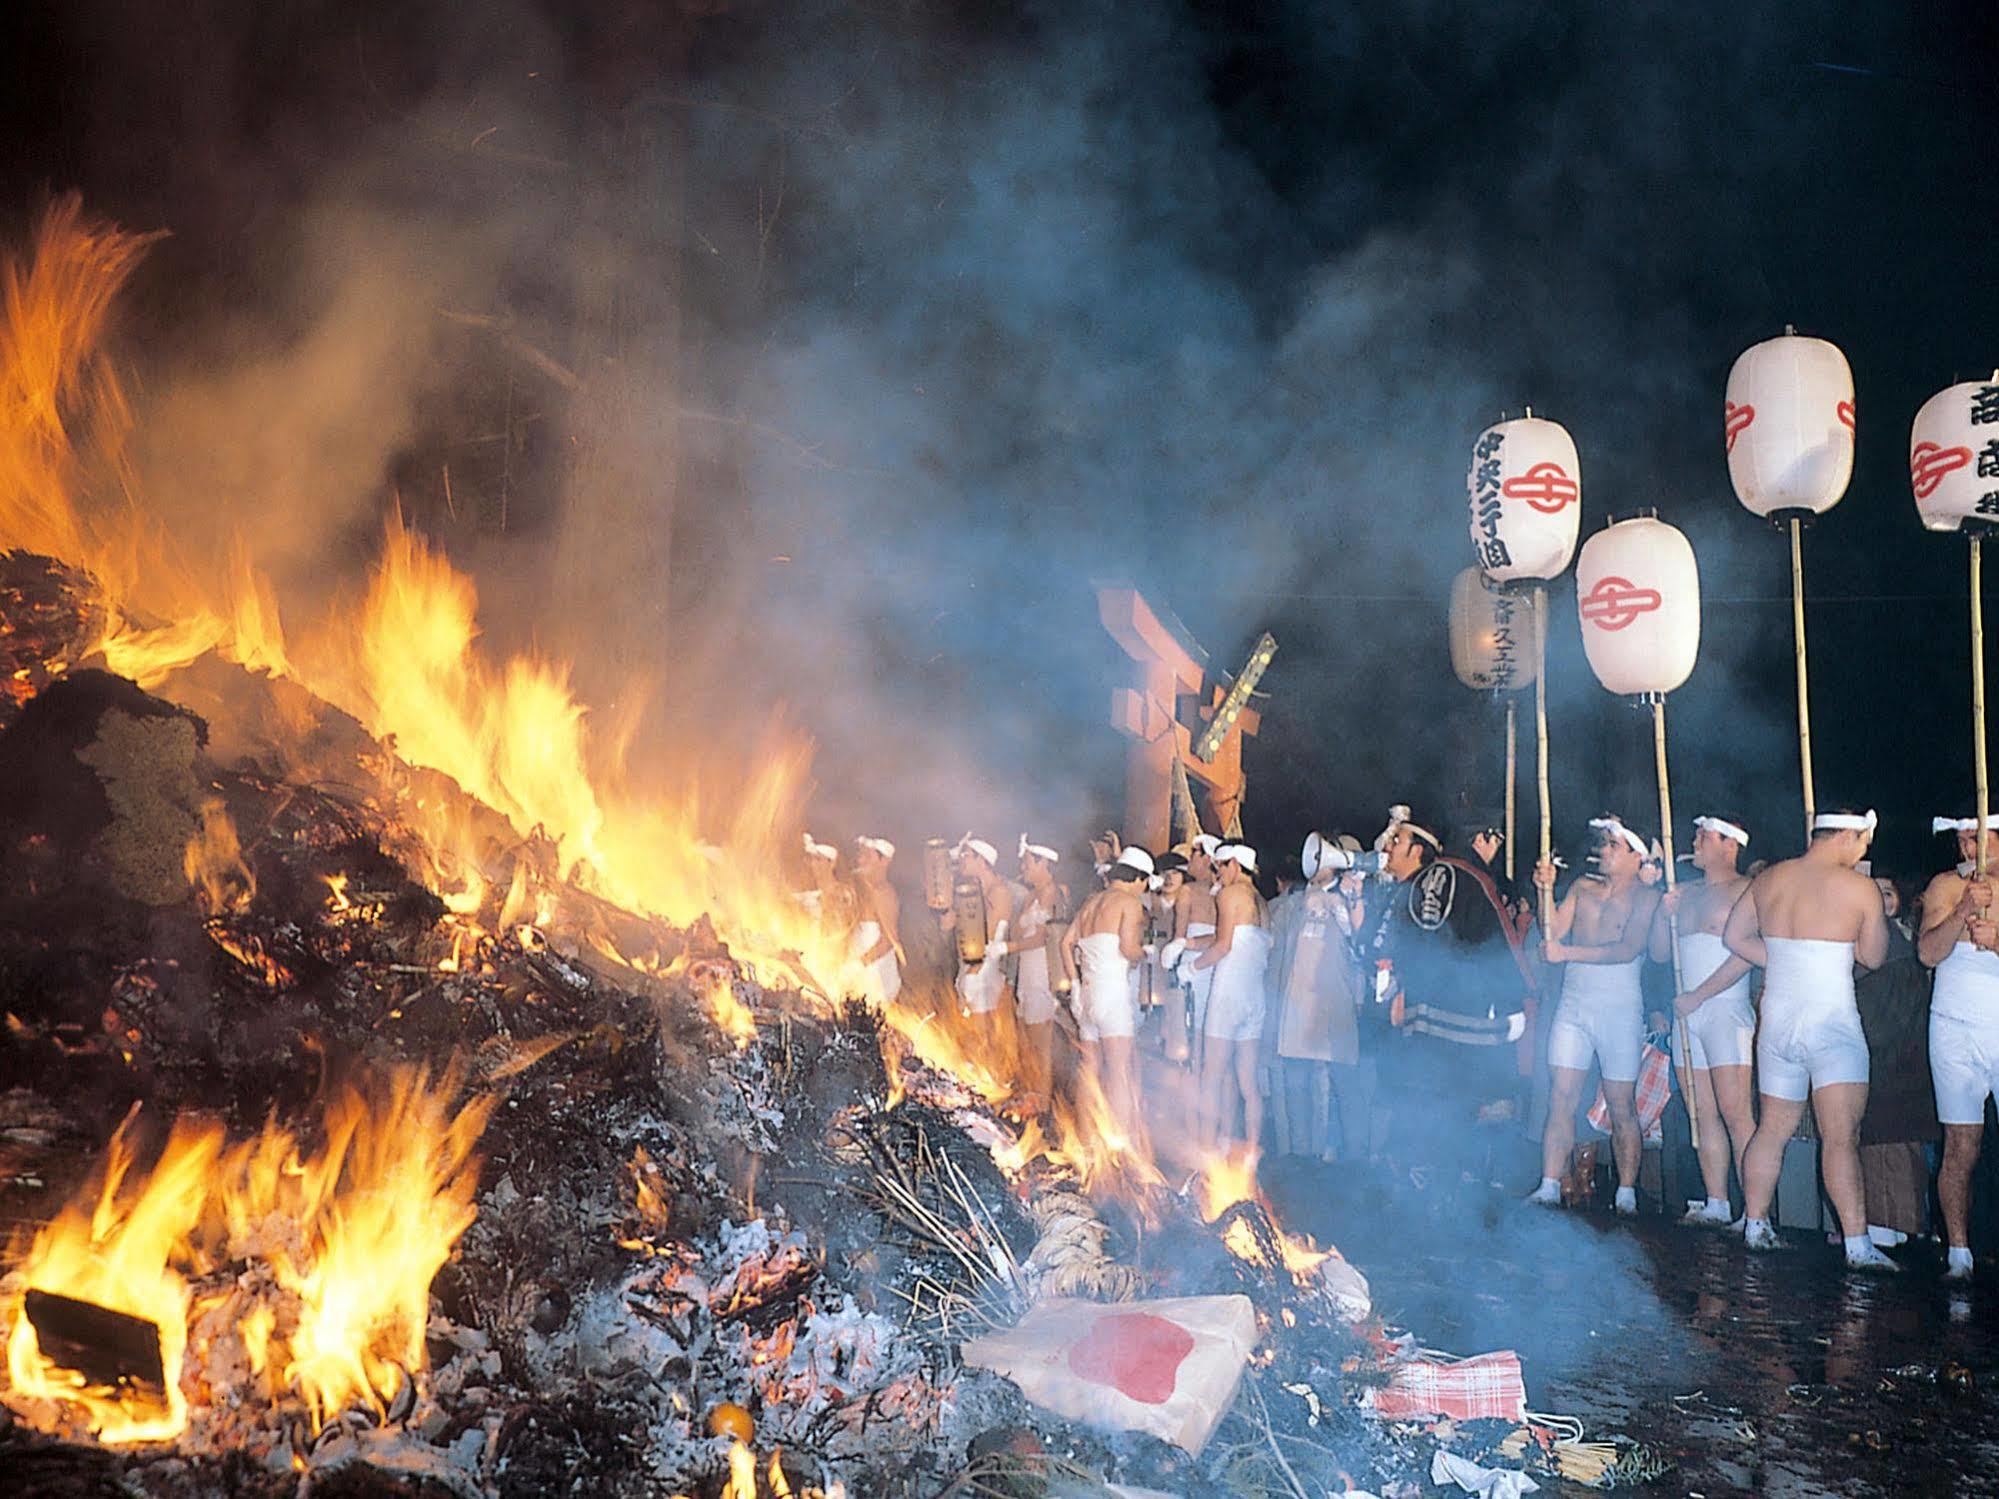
(1804, 691)
(1541, 747)
(1511, 773)
(1978, 697)
(1686, 1057)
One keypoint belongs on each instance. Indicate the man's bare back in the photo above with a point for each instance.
(1812, 898)
(1116, 910)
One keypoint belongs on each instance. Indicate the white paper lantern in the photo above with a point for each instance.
(1787, 423)
(1525, 487)
(1492, 635)
(1954, 457)
(1638, 591)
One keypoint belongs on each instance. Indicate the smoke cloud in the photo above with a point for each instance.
(826, 355)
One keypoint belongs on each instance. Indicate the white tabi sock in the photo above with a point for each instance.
(1858, 1244)
(1717, 1207)
(1959, 1256)
(1548, 1184)
(1627, 1197)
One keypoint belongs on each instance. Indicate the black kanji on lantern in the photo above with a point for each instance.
(1985, 405)
(1988, 460)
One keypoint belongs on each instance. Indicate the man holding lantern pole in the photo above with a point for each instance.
(1805, 922)
(1600, 931)
(1719, 1036)
(1961, 942)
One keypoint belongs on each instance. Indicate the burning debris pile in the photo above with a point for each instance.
(486, 1132)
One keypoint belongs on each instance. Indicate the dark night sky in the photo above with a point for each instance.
(1209, 296)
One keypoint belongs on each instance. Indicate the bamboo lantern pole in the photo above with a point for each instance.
(1512, 757)
(1804, 690)
(1978, 697)
(1541, 748)
(1686, 1057)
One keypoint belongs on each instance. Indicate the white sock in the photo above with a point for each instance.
(1750, 1225)
(1860, 1245)
(1717, 1207)
(1627, 1197)
(1548, 1183)
(1959, 1255)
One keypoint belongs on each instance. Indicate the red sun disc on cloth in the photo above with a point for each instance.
(1135, 1353)
(1735, 421)
(1614, 603)
(1844, 411)
(1930, 465)
(1546, 487)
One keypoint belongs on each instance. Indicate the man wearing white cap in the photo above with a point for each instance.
(1034, 992)
(1805, 922)
(1960, 941)
(1105, 940)
(825, 897)
(1193, 930)
(876, 943)
(1720, 1030)
(982, 985)
(1599, 932)
(1233, 1024)
(1315, 1006)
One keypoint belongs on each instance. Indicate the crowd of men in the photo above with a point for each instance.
(1409, 1003)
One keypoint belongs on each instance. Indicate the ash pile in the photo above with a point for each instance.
(440, 1174)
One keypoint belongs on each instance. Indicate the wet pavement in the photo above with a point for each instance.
(1777, 1374)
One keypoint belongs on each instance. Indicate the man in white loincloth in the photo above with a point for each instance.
(1033, 988)
(982, 985)
(1104, 941)
(1599, 931)
(1194, 930)
(1233, 1020)
(1960, 941)
(875, 946)
(1720, 1040)
(1805, 922)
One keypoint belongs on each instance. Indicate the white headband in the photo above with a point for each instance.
(1237, 853)
(1723, 827)
(1039, 850)
(1207, 843)
(970, 845)
(1961, 824)
(820, 850)
(880, 845)
(1845, 822)
(1613, 825)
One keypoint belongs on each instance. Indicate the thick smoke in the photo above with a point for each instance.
(826, 355)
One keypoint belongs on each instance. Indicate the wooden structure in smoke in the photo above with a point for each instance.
(1160, 713)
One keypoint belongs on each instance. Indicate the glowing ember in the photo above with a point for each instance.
(351, 1235)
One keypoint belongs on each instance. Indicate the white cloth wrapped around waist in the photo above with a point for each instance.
(880, 979)
(1806, 978)
(1967, 985)
(1100, 960)
(1602, 985)
(1245, 961)
(1701, 953)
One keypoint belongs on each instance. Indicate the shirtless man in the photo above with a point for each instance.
(1033, 988)
(1172, 879)
(1960, 941)
(1233, 1016)
(1194, 930)
(1104, 940)
(1600, 931)
(1805, 922)
(825, 897)
(981, 985)
(876, 945)
(1720, 1032)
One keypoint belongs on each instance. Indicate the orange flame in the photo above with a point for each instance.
(214, 863)
(353, 1233)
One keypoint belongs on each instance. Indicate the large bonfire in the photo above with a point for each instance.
(421, 914)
